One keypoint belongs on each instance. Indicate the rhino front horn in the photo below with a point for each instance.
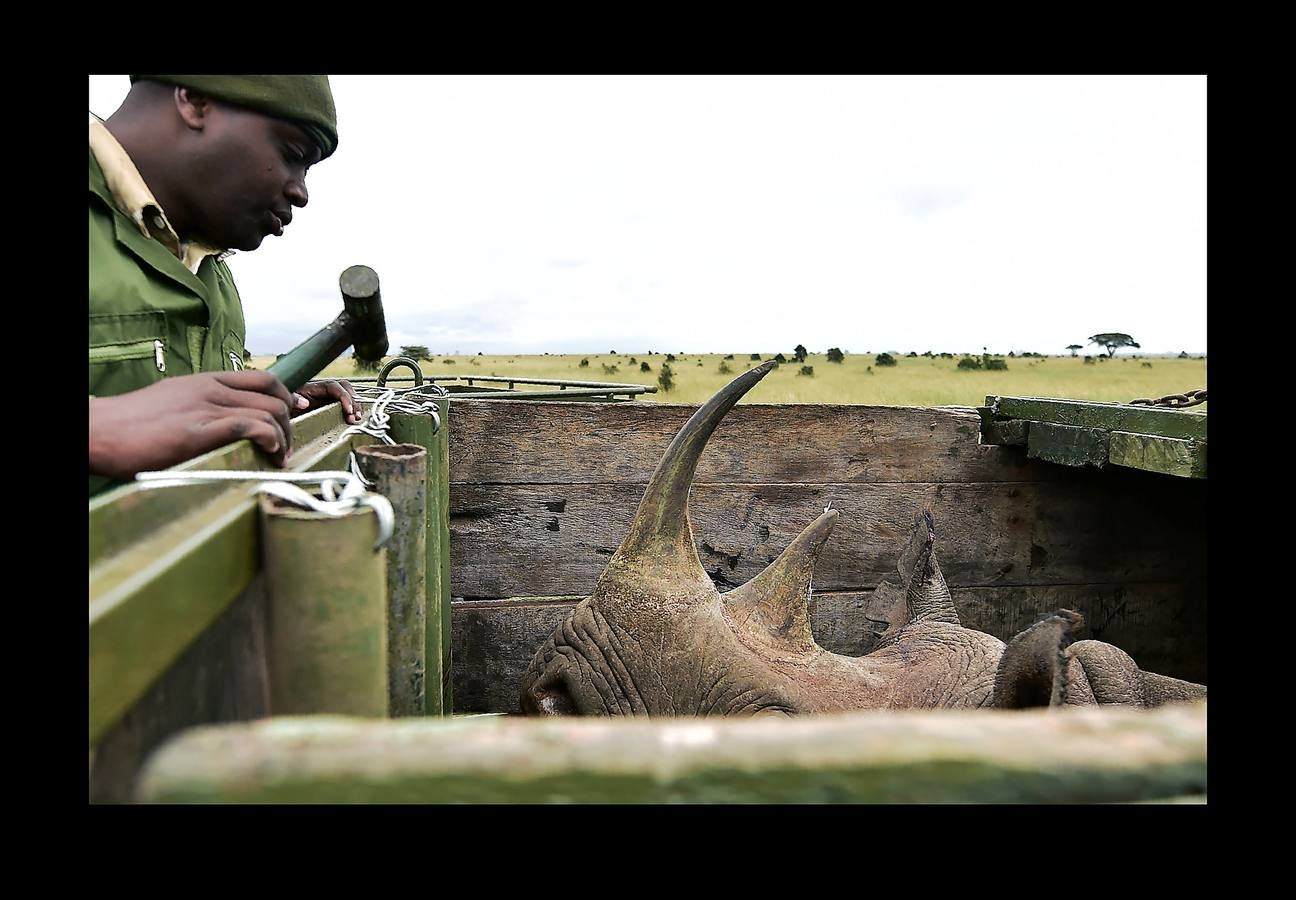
(661, 532)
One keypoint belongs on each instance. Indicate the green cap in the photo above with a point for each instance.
(306, 100)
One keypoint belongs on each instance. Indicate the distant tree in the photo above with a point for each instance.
(644, 367)
(969, 362)
(911, 355)
(666, 378)
(995, 363)
(584, 364)
(415, 352)
(633, 361)
(1113, 341)
(780, 359)
(755, 356)
(799, 353)
(835, 355)
(724, 367)
(670, 357)
(1183, 354)
(807, 370)
(1088, 360)
(730, 356)
(1074, 347)
(884, 359)
(613, 352)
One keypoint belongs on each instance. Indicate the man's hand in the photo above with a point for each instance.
(315, 394)
(179, 418)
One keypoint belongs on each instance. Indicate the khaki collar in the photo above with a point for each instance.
(134, 199)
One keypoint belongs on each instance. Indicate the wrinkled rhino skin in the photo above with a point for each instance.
(655, 637)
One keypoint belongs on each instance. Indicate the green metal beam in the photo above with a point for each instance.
(1072, 755)
(1172, 423)
(166, 562)
(1169, 456)
(1067, 445)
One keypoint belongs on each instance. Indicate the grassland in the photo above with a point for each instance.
(913, 381)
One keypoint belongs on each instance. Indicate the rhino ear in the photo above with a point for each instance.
(1032, 669)
(660, 538)
(927, 596)
(775, 604)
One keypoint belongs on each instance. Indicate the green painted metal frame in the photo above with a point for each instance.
(408, 428)
(1084, 433)
(165, 563)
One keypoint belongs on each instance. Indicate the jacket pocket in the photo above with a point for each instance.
(127, 352)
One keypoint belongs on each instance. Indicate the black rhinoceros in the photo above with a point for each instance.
(656, 638)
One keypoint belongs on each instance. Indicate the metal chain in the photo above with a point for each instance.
(1174, 401)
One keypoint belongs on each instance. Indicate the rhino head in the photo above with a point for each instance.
(655, 637)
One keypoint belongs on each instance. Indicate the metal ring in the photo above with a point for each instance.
(401, 361)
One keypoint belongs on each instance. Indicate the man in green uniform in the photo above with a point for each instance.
(189, 168)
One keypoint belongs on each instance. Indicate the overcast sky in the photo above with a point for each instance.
(523, 214)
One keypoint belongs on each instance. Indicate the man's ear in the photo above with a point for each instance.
(194, 107)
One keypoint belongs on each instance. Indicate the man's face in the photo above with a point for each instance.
(249, 173)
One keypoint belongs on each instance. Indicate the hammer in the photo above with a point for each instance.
(361, 323)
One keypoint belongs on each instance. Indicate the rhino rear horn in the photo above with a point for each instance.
(775, 605)
(927, 596)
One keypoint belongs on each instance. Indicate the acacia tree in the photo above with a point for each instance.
(1074, 347)
(416, 352)
(799, 353)
(1113, 341)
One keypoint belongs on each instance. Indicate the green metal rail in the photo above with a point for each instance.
(1087, 433)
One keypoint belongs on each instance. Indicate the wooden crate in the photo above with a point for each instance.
(541, 497)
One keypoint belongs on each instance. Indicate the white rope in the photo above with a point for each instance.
(284, 485)
(352, 494)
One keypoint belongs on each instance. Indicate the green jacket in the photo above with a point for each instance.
(150, 317)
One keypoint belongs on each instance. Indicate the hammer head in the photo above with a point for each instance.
(363, 303)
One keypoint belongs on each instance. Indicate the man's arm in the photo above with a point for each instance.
(179, 418)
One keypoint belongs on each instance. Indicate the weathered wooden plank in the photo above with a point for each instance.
(1169, 456)
(1120, 527)
(1067, 445)
(1071, 756)
(221, 677)
(536, 540)
(515, 442)
(1161, 625)
(1107, 416)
